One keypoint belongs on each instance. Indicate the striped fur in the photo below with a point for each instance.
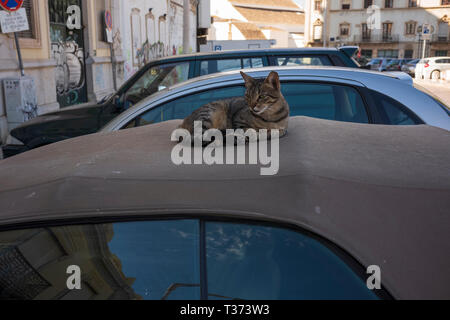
(263, 107)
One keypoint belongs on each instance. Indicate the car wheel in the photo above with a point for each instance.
(436, 75)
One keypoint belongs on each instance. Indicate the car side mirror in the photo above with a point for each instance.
(118, 106)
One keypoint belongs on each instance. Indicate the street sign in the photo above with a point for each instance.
(11, 5)
(108, 19)
(426, 31)
(14, 21)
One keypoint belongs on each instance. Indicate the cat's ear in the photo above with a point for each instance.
(274, 80)
(248, 80)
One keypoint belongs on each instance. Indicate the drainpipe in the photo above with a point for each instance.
(186, 25)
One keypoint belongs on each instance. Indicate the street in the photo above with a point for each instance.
(441, 90)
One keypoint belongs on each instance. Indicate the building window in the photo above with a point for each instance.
(344, 29)
(366, 53)
(440, 53)
(151, 28)
(318, 5)
(136, 36)
(162, 28)
(388, 53)
(345, 4)
(409, 54)
(442, 31)
(387, 30)
(368, 3)
(365, 31)
(410, 28)
(388, 3)
(412, 3)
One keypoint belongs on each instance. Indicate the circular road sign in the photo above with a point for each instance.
(11, 5)
(108, 19)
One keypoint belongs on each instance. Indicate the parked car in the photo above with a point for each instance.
(343, 94)
(431, 68)
(158, 75)
(348, 198)
(397, 64)
(410, 67)
(379, 64)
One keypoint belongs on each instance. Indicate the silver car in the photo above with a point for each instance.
(341, 94)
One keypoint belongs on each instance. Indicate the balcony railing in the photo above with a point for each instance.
(439, 38)
(378, 38)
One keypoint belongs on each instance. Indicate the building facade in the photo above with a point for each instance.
(72, 60)
(69, 65)
(281, 20)
(382, 28)
(157, 28)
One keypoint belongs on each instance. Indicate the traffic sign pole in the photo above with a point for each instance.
(12, 7)
(19, 54)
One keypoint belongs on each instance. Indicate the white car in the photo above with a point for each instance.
(432, 68)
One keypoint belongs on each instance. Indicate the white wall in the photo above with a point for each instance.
(168, 33)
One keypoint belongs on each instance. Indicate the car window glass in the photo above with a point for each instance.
(265, 263)
(392, 112)
(138, 260)
(156, 79)
(253, 63)
(302, 61)
(325, 101)
(337, 61)
(182, 107)
(221, 65)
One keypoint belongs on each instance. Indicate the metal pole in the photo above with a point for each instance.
(113, 65)
(424, 47)
(19, 54)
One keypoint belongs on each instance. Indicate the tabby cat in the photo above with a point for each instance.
(263, 107)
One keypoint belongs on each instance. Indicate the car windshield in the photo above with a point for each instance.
(156, 79)
(434, 97)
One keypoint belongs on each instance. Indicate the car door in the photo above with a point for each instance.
(324, 100)
(167, 260)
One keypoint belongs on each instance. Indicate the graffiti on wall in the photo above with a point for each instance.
(69, 66)
(67, 44)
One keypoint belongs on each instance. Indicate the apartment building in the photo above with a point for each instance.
(281, 20)
(382, 28)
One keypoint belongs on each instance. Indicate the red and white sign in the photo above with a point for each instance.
(14, 21)
(11, 5)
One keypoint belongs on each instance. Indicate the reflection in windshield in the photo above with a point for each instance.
(264, 263)
(129, 261)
